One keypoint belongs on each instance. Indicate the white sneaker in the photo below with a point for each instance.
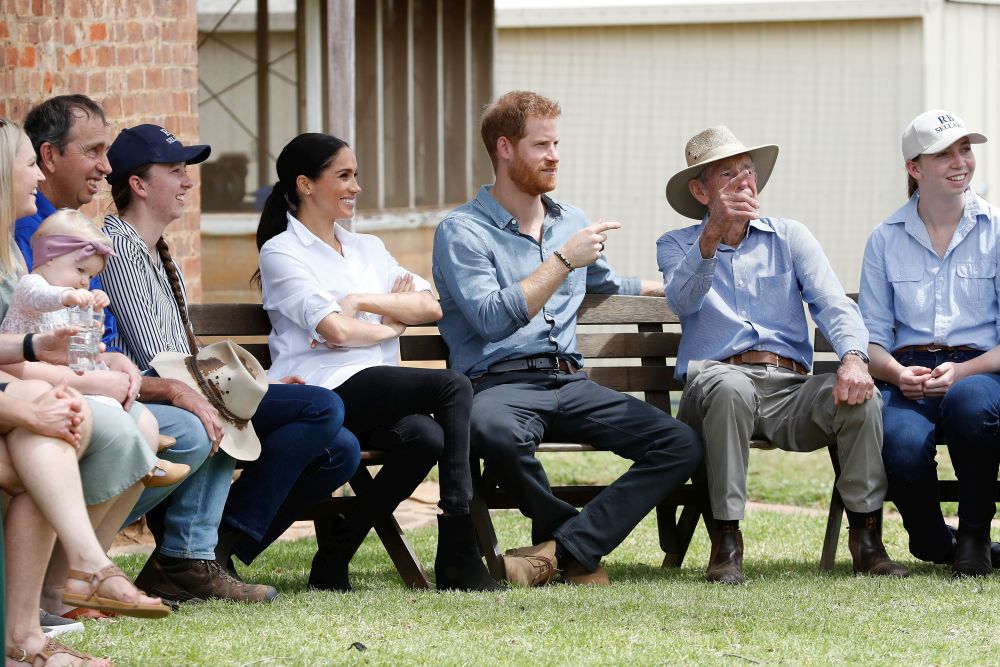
(53, 625)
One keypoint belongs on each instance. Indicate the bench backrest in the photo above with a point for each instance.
(630, 342)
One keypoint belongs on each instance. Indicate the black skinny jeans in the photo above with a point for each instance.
(390, 408)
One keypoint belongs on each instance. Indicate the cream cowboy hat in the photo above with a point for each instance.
(711, 145)
(232, 380)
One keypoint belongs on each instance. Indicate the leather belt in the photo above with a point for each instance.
(765, 358)
(534, 364)
(936, 348)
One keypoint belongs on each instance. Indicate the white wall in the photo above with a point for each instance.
(834, 95)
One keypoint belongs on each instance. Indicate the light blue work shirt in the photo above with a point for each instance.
(750, 297)
(911, 296)
(480, 257)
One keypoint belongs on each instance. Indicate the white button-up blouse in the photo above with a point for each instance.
(303, 279)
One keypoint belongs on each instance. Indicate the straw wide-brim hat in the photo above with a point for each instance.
(232, 380)
(711, 145)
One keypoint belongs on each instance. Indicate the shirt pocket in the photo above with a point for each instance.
(907, 285)
(974, 282)
(771, 304)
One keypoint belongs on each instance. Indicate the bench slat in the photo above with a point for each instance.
(229, 319)
(614, 309)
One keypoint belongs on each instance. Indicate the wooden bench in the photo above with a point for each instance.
(638, 356)
(248, 325)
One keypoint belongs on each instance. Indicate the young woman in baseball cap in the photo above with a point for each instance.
(930, 297)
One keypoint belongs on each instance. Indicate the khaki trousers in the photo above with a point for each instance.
(730, 405)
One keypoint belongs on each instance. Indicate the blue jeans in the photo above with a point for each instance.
(191, 519)
(966, 418)
(305, 456)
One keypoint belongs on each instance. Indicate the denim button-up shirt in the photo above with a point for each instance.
(750, 297)
(480, 257)
(911, 296)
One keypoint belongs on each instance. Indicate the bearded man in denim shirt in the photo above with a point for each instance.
(512, 267)
(738, 281)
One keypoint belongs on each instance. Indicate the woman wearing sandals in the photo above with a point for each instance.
(930, 296)
(338, 302)
(304, 456)
(46, 447)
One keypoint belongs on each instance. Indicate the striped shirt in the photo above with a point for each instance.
(141, 298)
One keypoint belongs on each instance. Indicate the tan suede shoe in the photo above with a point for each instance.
(531, 566)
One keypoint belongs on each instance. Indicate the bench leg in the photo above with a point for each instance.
(676, 534)
(395, 542)
(486, 535)
(834, 520)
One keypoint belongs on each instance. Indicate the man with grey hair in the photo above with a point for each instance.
(738, 281)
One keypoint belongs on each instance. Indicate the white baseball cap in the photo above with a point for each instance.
(933, 131)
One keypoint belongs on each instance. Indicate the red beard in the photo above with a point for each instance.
(529, 180)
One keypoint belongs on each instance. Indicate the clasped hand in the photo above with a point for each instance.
(916, 382)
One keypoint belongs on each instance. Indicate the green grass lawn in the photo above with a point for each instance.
(787, 612)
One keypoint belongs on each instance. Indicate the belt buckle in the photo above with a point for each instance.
(935, 348)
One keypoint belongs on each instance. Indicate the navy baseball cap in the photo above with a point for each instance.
(150, 144)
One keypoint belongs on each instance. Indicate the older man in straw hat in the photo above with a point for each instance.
(738, 280)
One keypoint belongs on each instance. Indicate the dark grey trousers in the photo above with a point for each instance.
(512, 412)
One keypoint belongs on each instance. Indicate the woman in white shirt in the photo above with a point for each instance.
(338, 302)
(930, 296)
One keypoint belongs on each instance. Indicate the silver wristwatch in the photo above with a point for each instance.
(857, 353)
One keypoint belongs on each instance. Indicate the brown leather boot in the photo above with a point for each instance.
(725, 565)
(179, 580)
(869, 553)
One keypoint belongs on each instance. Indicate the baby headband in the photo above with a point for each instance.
(51, 246)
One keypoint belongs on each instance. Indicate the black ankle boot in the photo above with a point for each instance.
(972, 553)
(458, 565)
(337, 545)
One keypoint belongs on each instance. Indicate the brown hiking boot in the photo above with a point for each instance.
(869, 553)
(531, 566)
(725, 565)
(177, 580)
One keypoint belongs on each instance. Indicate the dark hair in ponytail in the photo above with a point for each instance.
(306, 155)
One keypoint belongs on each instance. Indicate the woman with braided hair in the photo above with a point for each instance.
(305, 454)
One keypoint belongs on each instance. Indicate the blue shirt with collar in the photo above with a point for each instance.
(26, 227)
(480, 257)
(750, 297)
(911, 296)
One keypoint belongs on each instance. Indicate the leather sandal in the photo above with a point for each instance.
(51, 649)
(93, 600)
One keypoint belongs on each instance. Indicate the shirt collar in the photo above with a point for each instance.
(500, 216)
(908, 215)
(126, 229)
(307, 238)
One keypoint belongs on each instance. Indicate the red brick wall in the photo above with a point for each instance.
(137, 58)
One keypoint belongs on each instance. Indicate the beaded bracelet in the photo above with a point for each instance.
(563, 259)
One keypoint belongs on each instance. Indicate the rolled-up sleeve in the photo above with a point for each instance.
(836, 314)
(293, 290)
(466, 267)
(687, 276)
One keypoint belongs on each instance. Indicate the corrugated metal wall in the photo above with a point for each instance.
(834, 95)
(963, 74)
